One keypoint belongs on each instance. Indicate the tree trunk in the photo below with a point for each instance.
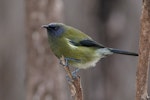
(12, 50)
(144, 51)
(45, 79)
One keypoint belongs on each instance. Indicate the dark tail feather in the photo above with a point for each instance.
(122, 52)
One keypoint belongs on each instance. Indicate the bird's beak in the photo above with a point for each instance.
(44, 26)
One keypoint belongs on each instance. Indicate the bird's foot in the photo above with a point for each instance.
(65, 64)
(74, 75)
(64, 61)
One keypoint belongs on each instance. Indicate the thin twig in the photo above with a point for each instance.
(74, 83)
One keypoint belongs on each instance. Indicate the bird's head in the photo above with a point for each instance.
(55, 29)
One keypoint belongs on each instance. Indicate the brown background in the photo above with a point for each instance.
(30, 71)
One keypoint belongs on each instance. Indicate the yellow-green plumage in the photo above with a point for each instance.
(84, 54)
(71, 43)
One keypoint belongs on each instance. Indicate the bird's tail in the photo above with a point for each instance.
(117, 51)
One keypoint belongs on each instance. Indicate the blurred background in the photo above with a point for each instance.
(30, 71)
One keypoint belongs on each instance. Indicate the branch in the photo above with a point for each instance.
(74, 84)
(144, 54)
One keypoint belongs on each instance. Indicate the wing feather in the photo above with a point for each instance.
(87, 43)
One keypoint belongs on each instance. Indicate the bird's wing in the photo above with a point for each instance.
(87, 43)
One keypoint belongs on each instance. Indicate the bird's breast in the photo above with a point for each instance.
(86, 56)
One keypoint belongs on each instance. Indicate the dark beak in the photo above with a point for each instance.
(44, 26)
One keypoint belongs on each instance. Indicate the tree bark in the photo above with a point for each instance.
(45, 79)
(12, 50)
(144, 53)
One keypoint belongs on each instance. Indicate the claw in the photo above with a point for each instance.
(68, 78)
(71, 75)
(74, 75)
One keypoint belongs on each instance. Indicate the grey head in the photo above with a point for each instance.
(54, 29)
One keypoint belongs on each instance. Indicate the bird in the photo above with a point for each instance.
(79, 49)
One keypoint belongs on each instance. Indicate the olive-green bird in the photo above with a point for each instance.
(80, 49)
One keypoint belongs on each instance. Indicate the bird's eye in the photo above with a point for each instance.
(54, 28)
